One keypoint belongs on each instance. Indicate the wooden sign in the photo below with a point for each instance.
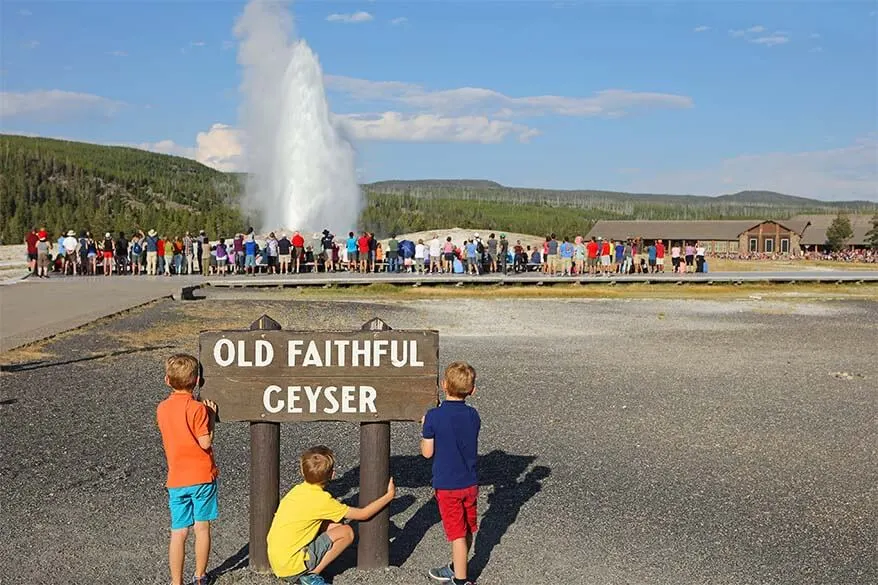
(290, 376)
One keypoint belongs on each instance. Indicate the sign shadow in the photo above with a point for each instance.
(506, 481)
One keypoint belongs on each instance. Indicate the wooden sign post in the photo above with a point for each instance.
(266, 376)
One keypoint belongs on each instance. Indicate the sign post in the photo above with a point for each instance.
(264, 475)
(372, 376)
(373, 550)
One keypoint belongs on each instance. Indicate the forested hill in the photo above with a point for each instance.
(73, 185)
(744, 204)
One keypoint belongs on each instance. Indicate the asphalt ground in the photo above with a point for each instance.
(623, 442)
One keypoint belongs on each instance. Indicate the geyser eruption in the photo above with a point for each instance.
(302, 169)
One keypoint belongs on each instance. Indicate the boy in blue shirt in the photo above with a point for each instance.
(451, 439)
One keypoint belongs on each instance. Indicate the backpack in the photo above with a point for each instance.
(136, 249)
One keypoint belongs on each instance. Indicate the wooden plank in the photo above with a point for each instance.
(331, 353)
(297, 376)
(320, 399)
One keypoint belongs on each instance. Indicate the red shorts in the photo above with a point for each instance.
(458, 511)
(108, 255)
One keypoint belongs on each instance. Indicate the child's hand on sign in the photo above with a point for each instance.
(211, 405)
(391, 489)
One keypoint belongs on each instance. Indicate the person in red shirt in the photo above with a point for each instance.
(363, 252)
(298, 243)
(160, 253)
(592, 251)
(606, 254)
(660, 256)
(31, 240)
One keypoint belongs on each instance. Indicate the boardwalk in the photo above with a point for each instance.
(33, 309)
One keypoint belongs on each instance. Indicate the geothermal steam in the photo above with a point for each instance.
(302, 169)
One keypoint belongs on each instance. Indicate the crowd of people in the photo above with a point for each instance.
(152, 253)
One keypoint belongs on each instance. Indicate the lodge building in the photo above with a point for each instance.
(749, 236)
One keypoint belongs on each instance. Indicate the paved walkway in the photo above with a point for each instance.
(32, 309)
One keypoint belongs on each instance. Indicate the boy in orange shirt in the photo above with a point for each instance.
(187, 426)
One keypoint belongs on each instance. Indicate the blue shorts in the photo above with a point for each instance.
(250, 261)
(314, 553)
(191, 504)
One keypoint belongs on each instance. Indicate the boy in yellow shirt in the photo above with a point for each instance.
(306, 533)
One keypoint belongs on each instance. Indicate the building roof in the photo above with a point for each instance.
(815, 232)
(721, 230)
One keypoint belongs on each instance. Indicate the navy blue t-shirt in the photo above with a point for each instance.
(454, 427)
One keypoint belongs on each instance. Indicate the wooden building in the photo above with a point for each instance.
(718, 236)
(815, 226)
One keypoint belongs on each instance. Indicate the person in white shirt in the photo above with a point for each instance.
(435, 254)
(420, 250)
(71, 245)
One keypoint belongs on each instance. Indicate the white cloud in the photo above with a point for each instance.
(848, 172)
(117, 53)
(55, 105)
(350, 17)
(399, 20)
(701, 28)
(30, 45)
(397, 127)
(479, 101)
(778, 38)
(755, 35)
(220, 147)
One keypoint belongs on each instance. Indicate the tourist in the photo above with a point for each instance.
(690, 255)
(660, 256)
(168, 246)
(299, 250)
(351, 247)
(363, 252)
(307, 532)
(136, 251)
(187, 426)
(450, 437)
(250, 250)
(327, 243)
(284, 247)
(392, 254)
(435, 254)
(43, 253)
(151, 245)
(699, 256)
(271, 249)
(651, 257)
(30, 241)
(565, 253)
(187, 253)
(205, 252)
(420, 251)
(676, 253)
(222, 257)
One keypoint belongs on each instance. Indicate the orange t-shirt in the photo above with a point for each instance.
(181, 420)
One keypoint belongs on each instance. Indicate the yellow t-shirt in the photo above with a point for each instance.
(296, 523)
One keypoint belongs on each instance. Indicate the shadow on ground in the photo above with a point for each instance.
(509, 480)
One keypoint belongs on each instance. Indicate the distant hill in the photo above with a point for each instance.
(73, 185)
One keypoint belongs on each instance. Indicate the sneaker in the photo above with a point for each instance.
(443, 574)
(311, 579)
(204, 580)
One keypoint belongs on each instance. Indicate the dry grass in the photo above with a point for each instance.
(592, 291)
(33, 352)
(727, 265)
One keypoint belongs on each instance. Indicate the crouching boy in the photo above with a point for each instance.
(306, 534)
(187, 425)
(451, 437)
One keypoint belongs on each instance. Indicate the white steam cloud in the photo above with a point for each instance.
(302, 169)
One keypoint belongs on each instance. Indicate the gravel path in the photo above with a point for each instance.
(623, 442)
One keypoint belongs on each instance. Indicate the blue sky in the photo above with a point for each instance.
(698, 97)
